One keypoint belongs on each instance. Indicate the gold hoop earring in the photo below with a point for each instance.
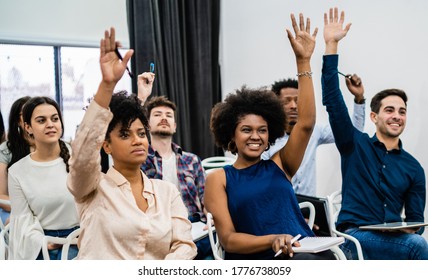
(231, 146)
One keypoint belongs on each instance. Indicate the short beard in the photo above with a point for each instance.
(162, 133)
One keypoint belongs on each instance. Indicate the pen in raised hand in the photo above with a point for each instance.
(346, 76)
(294, 239)
(116, 50)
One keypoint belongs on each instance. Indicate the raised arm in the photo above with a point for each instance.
(356, 88)
(303, 44)
(85, 169)
(341, 124)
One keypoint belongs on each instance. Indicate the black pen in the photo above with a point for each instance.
(116, 50)
(346, 76)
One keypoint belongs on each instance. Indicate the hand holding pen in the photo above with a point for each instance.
(355, 86)
(116, 50)
(354, 79)
(281, 250)
(112, 66)
(145, 85)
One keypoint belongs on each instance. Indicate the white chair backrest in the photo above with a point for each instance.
(217, 161)
(311, 207)
(334, 202)
(71, 239)
(216, 247)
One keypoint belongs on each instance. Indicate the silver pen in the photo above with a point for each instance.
(295, 238)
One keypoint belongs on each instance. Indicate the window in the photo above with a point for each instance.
(30, 70)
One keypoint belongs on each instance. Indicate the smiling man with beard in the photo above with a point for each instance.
(379, 178)
(167, 161)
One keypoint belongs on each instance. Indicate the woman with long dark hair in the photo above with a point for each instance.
(40, 201)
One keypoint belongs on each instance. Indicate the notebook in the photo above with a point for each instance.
(321, 217)
(396, 225)
(317, 244)
(198, 231)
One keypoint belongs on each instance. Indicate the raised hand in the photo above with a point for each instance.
(303, 43)
(145, 85)
(112, 68)
(355, 86)
(333, 29)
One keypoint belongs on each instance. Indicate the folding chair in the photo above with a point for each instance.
(334, 204)
(216, 247)
(71, 239)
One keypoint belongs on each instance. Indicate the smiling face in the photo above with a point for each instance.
(288, 98)
(391, 119)
(251, 136)
(127, 146)
(45, 126)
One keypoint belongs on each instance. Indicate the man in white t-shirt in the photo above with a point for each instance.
(304, 181)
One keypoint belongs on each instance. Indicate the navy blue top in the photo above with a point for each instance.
(376, 183)
(261, 201)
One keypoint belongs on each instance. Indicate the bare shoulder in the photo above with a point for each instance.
(215, 177)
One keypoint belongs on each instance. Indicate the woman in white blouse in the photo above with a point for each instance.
(124, 214)
(40, 201)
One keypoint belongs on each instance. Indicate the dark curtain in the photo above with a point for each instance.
(182, 38)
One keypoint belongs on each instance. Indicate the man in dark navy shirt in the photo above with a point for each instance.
(379, 177)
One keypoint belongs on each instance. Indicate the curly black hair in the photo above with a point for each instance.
(226, 115)
(126, 109)
(288, 83)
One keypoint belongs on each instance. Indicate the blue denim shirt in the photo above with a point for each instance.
(376, 183)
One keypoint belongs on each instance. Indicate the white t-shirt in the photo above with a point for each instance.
(169, 170)
(40, 201)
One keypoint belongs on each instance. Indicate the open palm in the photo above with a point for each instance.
(303, 43)
(333, 26)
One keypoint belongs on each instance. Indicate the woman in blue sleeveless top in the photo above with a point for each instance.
(252, 201)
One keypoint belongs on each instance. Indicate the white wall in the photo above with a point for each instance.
(65, 22)
(386, 46)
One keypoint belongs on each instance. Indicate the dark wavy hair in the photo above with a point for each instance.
(377, 99)
(126, 109)
(27, 112)
(226, 115)
(16, 142)
(288, 83)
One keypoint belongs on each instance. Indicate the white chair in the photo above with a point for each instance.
(216, 247)
(218, 250)
(71, 239)
(334, 201)
(4, 242)
(216, 162)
